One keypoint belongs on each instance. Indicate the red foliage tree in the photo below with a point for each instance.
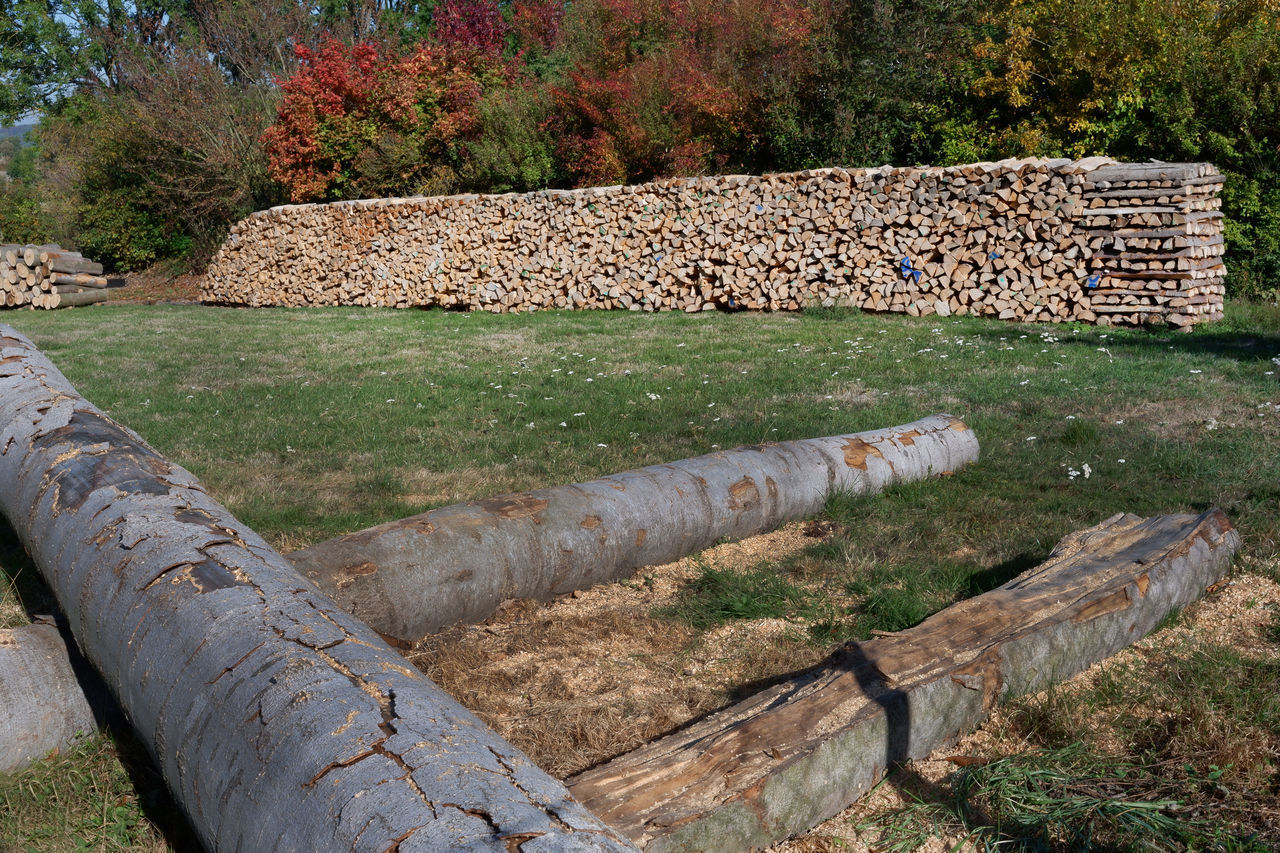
(676, 87)
(471, 23)
(536, 23)
(356, 122)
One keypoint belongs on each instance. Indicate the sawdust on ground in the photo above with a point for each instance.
(594, 674)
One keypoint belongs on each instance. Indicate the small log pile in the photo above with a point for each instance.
(48, 277)
(1155, 236)
(1015, 240)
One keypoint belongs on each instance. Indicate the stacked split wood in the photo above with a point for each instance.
(48, 277)
(1014, 240)
(1155, 235)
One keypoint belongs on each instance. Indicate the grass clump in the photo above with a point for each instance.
(717, 596)
(101, 795)
(1066, 799)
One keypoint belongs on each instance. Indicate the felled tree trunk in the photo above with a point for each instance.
(43, 706)
(278, 721)
(410, 577)
(795, 754)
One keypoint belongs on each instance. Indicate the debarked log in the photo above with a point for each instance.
(410, 577)
(278, 721)
(795, 754)
(43, 706)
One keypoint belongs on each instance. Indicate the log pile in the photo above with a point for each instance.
(1155, 235)
(1015, 240)
(48, 277)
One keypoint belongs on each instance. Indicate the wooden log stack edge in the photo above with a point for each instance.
(1029, 240)
(48, 276)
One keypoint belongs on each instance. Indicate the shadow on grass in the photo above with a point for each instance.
(154, 800)
(986, 580)
(1250, 333)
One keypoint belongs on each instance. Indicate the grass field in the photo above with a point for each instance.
(311, 423)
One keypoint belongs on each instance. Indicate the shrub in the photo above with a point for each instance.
(356, 122)
(1172, 81)
(659, 88)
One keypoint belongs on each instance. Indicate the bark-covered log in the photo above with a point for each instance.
(410, 577)
(279, 722)
(797, 753)
(84, 297)
(43, 706)
(582, 558)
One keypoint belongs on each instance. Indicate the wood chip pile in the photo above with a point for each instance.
(1028, 240)
(48, 277)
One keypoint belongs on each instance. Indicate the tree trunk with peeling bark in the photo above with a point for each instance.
(43, 706)
(410, 577)
(278, 721)
(791, 756)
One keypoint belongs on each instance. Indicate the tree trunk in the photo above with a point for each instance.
(574, 555)
(42, 704)
(791, 756)
(410, 577)
(278, 721)
(84, 297)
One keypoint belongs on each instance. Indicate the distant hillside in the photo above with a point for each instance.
(18, 130)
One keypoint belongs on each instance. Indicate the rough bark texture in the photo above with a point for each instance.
(279, 722)
(797, 753)
(410, 577)
(42, 705)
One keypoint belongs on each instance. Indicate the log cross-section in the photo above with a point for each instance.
(278, 721)
(410, 577)
(795, 754)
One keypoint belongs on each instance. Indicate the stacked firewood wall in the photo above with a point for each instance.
(1155, 239)
(1017, 240)
(48, 277)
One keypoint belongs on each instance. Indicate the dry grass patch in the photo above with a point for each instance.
(594, 674)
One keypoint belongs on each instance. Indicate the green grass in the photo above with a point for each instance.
(312, 423)
(1175, 749)
(717, 596)
(102, 795)
(1069, 799)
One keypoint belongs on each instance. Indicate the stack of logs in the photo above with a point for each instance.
(48, 277)
(1155, 239)
(1026, 240)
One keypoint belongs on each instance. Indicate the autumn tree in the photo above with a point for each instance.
(1139, 79)
(362, 121)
